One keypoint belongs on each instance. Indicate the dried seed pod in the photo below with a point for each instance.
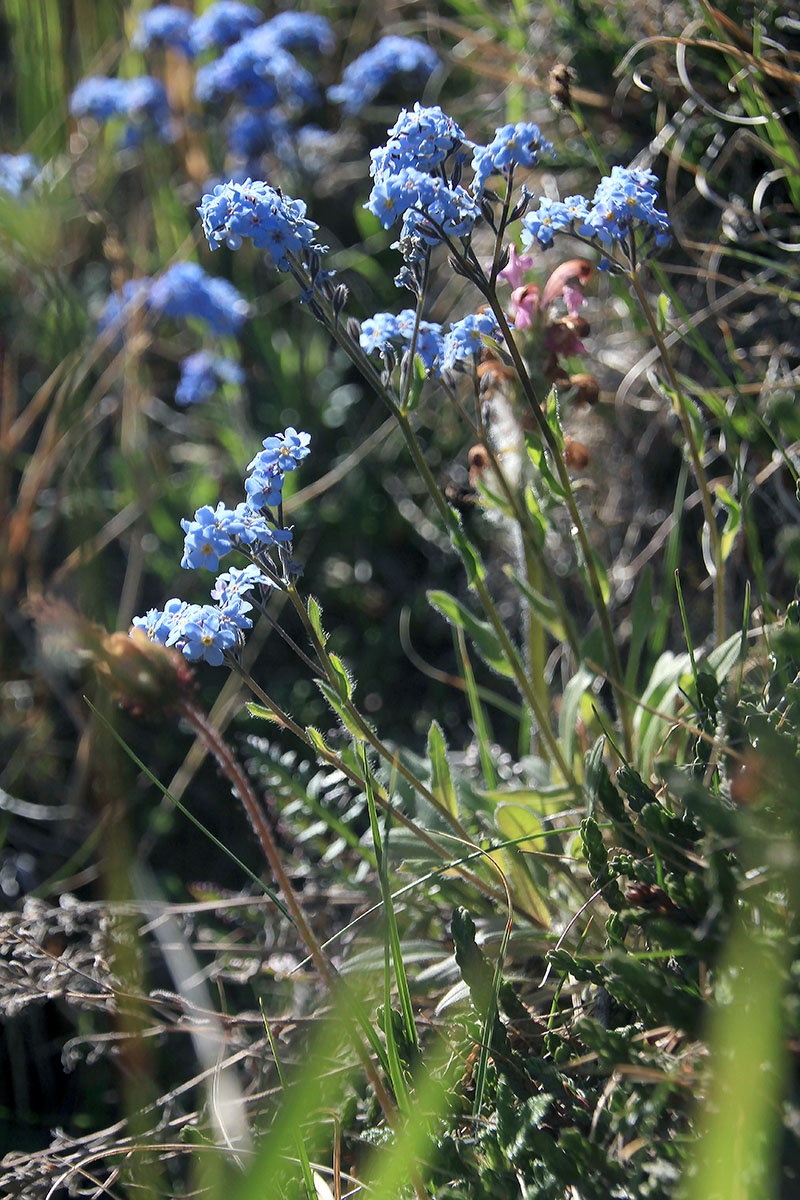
(560, 80)
(575, 454)
(494, 369)
(578, 325)
(588, 389)
(478, 460)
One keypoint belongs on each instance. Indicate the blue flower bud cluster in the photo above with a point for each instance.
(184, 292)
(253, 209)
(17, 173)
(207, 632)
(141, 101)
(201, 376)
(164, 25)
(624, 202)
(513, 145)
(367, 76)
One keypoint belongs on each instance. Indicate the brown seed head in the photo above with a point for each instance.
(478, 462)
(588, 389)
(575, 454)
(559, 83)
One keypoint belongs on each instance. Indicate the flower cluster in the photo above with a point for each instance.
(443, 209)
(253, 209)
(367, 76)
(201, 375)
(465, 339)
(17, 173)
(259, 71)
(512, 145)
(184, 292)
(164, 25)
(221, 24)
(624, 202)
(209, 632)
(378, 333)
(142, 102)
(423, 138)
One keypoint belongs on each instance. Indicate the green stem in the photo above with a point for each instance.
(695, 453)
(596, 591)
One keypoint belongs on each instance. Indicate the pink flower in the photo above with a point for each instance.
(567, 280)
(513, 271)
(524, 305)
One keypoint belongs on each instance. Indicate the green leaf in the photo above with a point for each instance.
(469, 555)
(483, 636)
(733, 522)
(663, 309)
(343, 682)
(263, 713)
(642, 619)
(553, 417)
(315, 617)
(543, 609)
(538, 524)
(417, 383)
(570, 707)
(441, 779)
(335, 701)
(538, 457)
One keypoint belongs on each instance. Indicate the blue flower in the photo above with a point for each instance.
(367, 75)
(383, 329)
(204, 634)
(142, 100)
(120, 306)
(237, 582)
(465, 338)
(201, 375)
(301, 31)
(423, 138)
(223, 23)
(209, 536)
(252, 133)
(552, 216)
(255, 210)
(284, 450)
(259, 72)
(254, 528)
(452, 208)
(184, 291)
(17, 173)
(512, 145)
(264, 486)
(164, 25)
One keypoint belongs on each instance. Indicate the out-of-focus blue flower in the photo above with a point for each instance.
(252, 133)
(164, 25)
(383, 329)
(119, 306)
(301, 31)
(389, 58)
(465, 338)
(234, 211)
(223, 23)
(143, 101)
(201, 375)
(512, 145)
(309, 149)
(184, 290)
(259, 72)
(17, 173)
(423, 138)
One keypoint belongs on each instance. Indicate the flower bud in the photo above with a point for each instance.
(478, 462)
(588, 389)
(575, 454)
